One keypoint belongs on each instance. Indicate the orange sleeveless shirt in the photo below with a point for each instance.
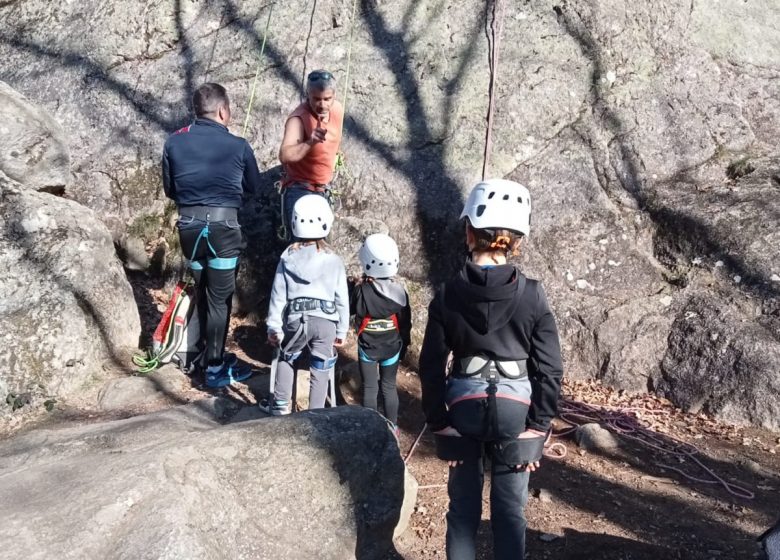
(317, 167)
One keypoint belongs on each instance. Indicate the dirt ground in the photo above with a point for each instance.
(624, 503)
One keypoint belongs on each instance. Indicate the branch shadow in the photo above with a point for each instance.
(629, 169)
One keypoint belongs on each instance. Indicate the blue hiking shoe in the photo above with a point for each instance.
(227, 375)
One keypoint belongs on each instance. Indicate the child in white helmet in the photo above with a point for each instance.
(309, 305)
(382, 322)
(502, 392)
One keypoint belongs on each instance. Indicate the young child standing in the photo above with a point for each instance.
(382, 321)
(309, 305)
(500, 396)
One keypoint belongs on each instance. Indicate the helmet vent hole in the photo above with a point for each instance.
(324, 227)
(373, 261)
(506, 197)
(320, 219)
(311, 221)
(520, 200)
(491, 195)
(368, 267)
(481, 209)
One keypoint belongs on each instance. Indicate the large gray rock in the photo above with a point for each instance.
(66, 309)
(721, 362)
(33, 146)
(622, 117)
(325, 484)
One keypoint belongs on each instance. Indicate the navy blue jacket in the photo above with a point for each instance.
(204, 165)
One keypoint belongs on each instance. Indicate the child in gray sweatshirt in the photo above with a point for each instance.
(309, 305)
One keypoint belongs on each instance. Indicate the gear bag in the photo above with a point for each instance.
(176, 337)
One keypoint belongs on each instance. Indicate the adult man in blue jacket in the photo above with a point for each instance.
(207, 171)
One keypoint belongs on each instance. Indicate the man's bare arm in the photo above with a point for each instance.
(295, 145)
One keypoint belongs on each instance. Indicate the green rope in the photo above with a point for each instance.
(146, 362)
(257, 73)
(341, 161)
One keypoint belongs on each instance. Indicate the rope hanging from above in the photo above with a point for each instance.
(494, 41)
(257, 73)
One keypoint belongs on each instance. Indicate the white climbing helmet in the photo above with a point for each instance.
(379, 256)
(311, 217)
(499, 204)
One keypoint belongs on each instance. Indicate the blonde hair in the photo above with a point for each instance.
(320, 243)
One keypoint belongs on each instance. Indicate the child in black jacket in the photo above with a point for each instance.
(502, 392)
(382, 322)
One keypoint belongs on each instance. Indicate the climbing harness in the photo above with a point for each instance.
(488, 402)
(257, 72)
(303, 306)
(378, 325)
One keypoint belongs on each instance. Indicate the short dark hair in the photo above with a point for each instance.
(320, 80)
(208, 98)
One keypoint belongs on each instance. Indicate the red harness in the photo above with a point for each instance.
(367, 319)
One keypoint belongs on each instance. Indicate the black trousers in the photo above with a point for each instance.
(215, 279)
(371, 379)
(508, 496)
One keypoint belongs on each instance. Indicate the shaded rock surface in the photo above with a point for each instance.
(66, 308)
(720, 363)
(624, 119)
(325, 484)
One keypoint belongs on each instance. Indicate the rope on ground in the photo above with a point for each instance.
(257, 72)
(624, 422)
(414, 445)
(497, 27)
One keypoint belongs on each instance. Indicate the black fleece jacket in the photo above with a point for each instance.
(499, 313)
(380, 300)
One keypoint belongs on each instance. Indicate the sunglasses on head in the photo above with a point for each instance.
(320, 75)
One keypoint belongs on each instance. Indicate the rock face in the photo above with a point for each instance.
(325, 484)
(635, 126)
(33, 147)
(66, 308)
(719, 363)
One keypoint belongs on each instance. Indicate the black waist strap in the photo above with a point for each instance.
(209, 213)
(299, 305)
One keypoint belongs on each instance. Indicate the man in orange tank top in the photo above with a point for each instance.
(312, 135)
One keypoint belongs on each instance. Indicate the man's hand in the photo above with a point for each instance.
(317, 136)
(273, 339)
(452, 432)
(338, 343)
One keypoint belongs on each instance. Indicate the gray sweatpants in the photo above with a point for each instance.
(318, 337)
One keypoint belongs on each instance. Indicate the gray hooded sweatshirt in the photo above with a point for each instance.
(309, 273)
